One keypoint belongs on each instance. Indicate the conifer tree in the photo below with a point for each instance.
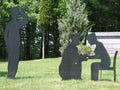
(76, 21)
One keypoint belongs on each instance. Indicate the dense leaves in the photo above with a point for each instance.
(76, 21)
(43, 16)
(105, 14)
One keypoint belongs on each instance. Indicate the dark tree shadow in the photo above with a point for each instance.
(3, 73)
(105, 80)
(27, 77)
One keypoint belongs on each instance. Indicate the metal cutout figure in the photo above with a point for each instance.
(71, 67)
(12, 39)
(100, 53)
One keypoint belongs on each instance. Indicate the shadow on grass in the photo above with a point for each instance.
(105, 80)
(27, 77)
(3, 73)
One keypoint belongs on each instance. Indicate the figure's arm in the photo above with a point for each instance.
(24, 16)
(93, 57)
(6, 33)
(83, 58)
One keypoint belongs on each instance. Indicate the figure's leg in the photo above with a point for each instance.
(64, 71)
(11, 65)
(94, 71)
(76, 70)
(13, 60)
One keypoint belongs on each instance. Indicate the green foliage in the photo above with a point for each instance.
(4, 11)
(105, 14)
(7, 5)
(47, 21)
(44, 12)
(76, 21)
(32, 11)
(62, 8)
(84, 49)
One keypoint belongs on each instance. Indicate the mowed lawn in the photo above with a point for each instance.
(43, 75)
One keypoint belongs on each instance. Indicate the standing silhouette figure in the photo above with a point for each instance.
(100, 53)
(71, 67)
(12, 39)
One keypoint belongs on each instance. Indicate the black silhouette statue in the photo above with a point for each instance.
(71, 67)
(12, 39)
(100, 53)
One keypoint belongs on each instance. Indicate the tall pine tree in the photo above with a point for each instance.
(76, 21)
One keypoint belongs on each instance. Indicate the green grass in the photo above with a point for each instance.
(43, 75)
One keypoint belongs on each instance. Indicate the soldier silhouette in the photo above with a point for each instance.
(100, 53)
(71, 67)
(12, 39)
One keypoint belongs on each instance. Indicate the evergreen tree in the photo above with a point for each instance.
(105, 14)
(76, 21)
(43, 21)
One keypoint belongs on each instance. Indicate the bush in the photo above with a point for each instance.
(84, 49)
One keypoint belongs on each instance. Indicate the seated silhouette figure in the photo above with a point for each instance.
(71, 67)
(100, 53)
(12, 39)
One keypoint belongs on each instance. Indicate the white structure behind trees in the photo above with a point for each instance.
(111, 41)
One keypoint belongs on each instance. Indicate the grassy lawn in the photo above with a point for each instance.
(43, 75)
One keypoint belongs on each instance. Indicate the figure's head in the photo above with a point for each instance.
(14, 12)
(75, 38)
(91, 38)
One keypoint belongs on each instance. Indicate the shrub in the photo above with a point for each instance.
(84, 49)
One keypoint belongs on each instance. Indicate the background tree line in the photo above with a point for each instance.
(42, 29)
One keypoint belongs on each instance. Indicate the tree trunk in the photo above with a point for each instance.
(43, 45)
(28, 43)
(56, 40)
